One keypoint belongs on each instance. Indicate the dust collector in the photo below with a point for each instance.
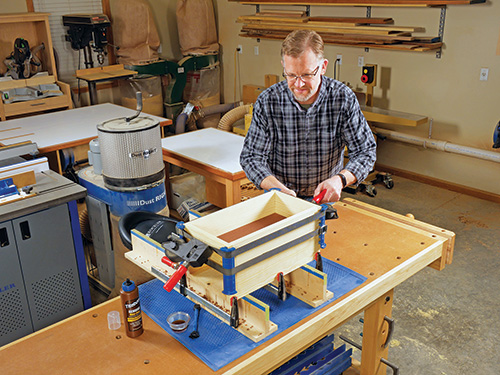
(131, 154)
(126, 175)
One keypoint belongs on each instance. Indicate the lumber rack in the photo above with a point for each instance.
(333, 33)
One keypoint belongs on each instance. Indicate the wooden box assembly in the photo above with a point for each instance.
(253, 241)
(252, 225)
(33, 27)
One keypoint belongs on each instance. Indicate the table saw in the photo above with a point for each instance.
(385, 247)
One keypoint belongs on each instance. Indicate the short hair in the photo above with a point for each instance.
(299, 41)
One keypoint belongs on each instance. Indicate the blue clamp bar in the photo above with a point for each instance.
(228, 280)
(180, 228)
(322, 220)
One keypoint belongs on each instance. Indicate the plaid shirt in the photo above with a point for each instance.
(302, 148)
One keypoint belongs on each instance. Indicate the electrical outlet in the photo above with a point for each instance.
(239, 48)
(483, 76)
(256, 50)
(361, 61)
(339, 58)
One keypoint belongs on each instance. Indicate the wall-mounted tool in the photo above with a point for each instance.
(369, 78)
(86, 31)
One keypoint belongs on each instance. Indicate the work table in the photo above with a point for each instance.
(386, 248)
(64, 129)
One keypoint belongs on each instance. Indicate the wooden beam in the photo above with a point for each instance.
(30, 6)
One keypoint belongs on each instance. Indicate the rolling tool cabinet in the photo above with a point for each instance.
(42, 268)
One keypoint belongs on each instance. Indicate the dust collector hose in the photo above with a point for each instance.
(227, 121)
(180, 123)
(85, 225)
(218, 108)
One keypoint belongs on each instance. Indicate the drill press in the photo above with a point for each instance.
(88, 31)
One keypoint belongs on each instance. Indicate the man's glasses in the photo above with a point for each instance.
(304, 77)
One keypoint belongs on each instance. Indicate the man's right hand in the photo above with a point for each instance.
(271, 182)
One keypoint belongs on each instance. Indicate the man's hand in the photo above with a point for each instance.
(334, 187)
(271, 182)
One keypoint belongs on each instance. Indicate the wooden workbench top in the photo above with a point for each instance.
(385, 247)
(104, 73)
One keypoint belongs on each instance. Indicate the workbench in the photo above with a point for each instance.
(102, 74)
(214, 154)
(386, 248)
(61, 130)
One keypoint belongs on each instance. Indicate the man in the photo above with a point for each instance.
(300, 128)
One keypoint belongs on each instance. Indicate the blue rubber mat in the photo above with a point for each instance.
(219, 344)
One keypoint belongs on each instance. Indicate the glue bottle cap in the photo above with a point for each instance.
(128, 285)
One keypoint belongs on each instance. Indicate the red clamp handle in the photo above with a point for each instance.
(318, 198)
(168, 262)
(174, 279)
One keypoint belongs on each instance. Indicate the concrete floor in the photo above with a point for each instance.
(447, 322)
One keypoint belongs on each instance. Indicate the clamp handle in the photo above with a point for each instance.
(174, 279)
(318, 198)
(167, 261)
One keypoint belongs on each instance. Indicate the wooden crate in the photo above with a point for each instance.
(248, 238)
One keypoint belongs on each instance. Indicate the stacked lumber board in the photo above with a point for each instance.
(391, 3)
(350, 31)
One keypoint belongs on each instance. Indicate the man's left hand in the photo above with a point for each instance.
(333, 188)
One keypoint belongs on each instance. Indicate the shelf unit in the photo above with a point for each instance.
(355, 34)
(34, 27)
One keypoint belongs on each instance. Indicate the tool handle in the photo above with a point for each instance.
(167, 261)
(174, 279)
(318, 198)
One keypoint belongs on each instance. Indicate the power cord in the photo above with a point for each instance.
(335, 69)
(236, 71)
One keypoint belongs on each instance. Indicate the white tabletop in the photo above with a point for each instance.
(62, 127)
(217, 148)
